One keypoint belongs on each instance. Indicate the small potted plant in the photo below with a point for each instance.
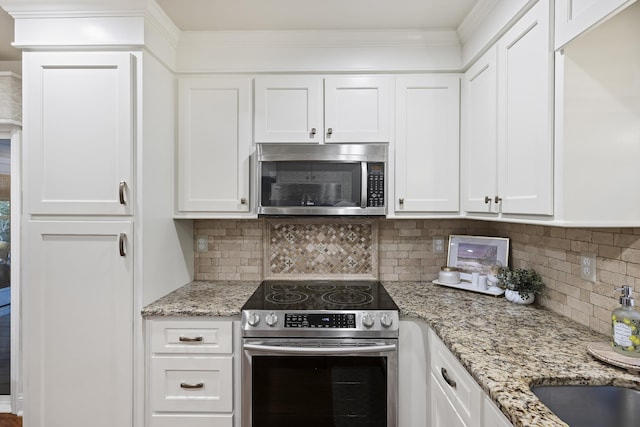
(521, 285)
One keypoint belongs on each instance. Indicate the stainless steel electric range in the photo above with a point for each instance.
(320, 353)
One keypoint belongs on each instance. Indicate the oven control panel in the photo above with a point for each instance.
(313, 320)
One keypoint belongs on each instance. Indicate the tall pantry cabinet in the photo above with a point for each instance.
(101, 242)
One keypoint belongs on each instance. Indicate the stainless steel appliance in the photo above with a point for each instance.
(320, 353)
(321, 179)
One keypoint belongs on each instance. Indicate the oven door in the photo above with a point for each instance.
(320, 382)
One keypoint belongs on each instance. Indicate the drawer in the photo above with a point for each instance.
(461, 389)
(191, 384)
(191, 336)
(192, 420)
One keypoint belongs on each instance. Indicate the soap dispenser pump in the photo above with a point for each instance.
(626, 325)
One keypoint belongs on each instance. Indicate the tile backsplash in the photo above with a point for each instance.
(401, 250)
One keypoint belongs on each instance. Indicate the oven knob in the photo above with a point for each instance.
(271, 319)
(386, 320)
(367, 320)
(253, 319)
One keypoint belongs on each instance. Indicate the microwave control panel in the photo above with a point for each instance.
(375, 185)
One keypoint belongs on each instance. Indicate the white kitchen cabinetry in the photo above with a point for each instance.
(456, 398)
(598, 125)
(314, 109)
(413, 374)
(214, 145)
(80, 133)
(77, 328)
(524, 122)
(574, 17)
(492, 416)
(427, 144)
(479, 134)
(190, 378)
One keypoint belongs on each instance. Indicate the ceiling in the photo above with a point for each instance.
(229, 15)
(198, 15)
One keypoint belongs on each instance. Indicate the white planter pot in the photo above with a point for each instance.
(515, 297)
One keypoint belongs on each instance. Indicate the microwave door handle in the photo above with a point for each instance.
(320, 350)
(365, 185)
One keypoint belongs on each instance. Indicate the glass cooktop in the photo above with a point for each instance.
(320, 295)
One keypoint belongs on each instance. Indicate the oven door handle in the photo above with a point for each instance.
(321, 350)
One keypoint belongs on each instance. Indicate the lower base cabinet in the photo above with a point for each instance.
(190, 369)
(456, 399)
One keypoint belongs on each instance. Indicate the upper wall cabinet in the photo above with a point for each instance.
(573, 17)
(214, 145)
(520, 137)
(427, 144)
(80, 135)
(479, 135)
(314, 109)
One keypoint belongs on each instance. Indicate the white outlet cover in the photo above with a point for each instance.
(588, 266)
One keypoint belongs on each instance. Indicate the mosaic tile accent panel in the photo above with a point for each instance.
(326, 248)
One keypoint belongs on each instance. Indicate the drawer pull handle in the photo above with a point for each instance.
(189, 339)
(191, 386)
(445, 375)
(121, 190)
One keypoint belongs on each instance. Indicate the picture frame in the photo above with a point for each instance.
(473, 254)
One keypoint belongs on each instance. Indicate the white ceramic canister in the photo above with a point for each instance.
(449, 275)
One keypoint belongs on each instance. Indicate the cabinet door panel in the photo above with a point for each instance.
(443, 414)
(214, 145)
(182, 384)
(288, 109)
(80, 140)
(356, 109)
(525, 113)
(479, 136)
(427, 143)
(78, 324)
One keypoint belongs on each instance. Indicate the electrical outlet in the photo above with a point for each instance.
(438, 245)
(202, 243)
(588, 267)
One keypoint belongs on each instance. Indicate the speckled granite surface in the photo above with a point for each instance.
(506, 347)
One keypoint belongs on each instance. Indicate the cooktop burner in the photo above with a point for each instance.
(320, 295)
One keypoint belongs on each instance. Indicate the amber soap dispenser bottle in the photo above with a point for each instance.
(626, 325)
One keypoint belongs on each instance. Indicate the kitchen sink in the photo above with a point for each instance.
(591, 405)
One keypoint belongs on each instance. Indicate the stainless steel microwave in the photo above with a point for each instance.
(321, 179)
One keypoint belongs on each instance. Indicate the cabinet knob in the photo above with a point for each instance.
(243, 201)
(312, 134)
(487, 199)
(497, 199)
(329, 132)
(401, 201)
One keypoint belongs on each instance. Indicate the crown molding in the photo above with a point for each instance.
(479, 13)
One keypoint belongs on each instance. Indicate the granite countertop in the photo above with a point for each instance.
(506, 347)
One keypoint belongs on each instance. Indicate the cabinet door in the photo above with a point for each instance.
(525, 111)
(288, 109)
(79, 137)
(479, 135)
(492, 416)
(214, 144)
(78, 323)
(356, 109)
(573, 17)
(443, 413)
(427, 143)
